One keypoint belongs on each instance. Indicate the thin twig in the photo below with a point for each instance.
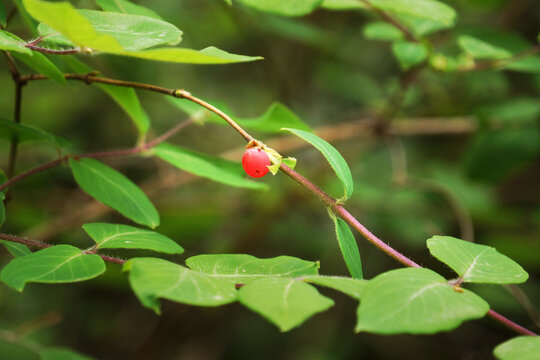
(53, 51)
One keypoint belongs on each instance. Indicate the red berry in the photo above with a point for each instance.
(255, 162)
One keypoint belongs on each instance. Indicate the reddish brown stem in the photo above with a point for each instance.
(52, 51)
(510, 324)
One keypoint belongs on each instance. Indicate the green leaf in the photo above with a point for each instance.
(27, 19)
(287, 303)
(409, 54)
(2, 14)
(209, 55)
(2, 208)
(126, 7)
(214, 168)
(152, 278)
(64, 18)
(342, 4)
(42, 65)
(284, 7)
(415, 301)
(521, 347)
(56, 264)
(125, 97)
(10, 130)
(115, 190)
(425, 9)
(115, 236)
(480, 49)
(348, 246)
(380, 30)
(333, 157)
(352, 287)
(10, 42)
(56, 353)
(15, 249)
(476, 263)
(244, 268)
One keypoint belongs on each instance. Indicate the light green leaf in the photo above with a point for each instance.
(380, 30)
(25, 133)
(349, 286)
(56, 264)
(284, 7)
(42, 65)
(244, 268)
(116, 236)
(287, 303)
(2, 14)
(10, 42)
(409, 54)
(521, 347)
(126, 7)
(209, 55)
(152, 278)
(332, 156)
(348, 246)
(56, 353)
(125, 97)
(342, 4)
(276, 117)
(476, 263)
(415, 301)
(214, 168)
(421, 27)
(115, 190)
(480, 49)
(64, 18)
(426, 9)
(15, 249)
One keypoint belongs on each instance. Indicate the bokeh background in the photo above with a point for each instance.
(476, 174)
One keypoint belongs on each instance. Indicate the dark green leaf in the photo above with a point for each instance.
(42, 65)
(152, 278)
(10, 130)
(284, 7)
(476, 263)
(352, 287)
(521, 347)
(2, 208)
(333, 157)
(381, 31)
(10, 42)
(115, 190)
(126, 7)
(2, 14)
(348, 247)
(409, 54)
(287, 303)
(244, 268)
(415, 301)
(56, 264)
(116, 236)
(214, 168)
(15, 249)
(61, 354)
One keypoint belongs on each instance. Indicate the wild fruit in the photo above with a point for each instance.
(255, 162)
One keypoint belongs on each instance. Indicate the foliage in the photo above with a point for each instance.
(407, 77)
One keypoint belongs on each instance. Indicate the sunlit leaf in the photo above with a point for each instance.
(415, 301)
(334, 158)
(152, 278)
(521, 347)
(287, 303)
(10, 42)
(126, 7)
(56, 264)
(209, 55)
(476, 263)
(380, 30)
(244, 268)
(115, 190)
(214, 168)
(116, 236)
(409, 54)
(349, 286)
(16, 249)
(24, 133)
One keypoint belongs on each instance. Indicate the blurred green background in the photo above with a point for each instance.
(484, 179)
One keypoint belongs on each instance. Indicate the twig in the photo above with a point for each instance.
(53, 51)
